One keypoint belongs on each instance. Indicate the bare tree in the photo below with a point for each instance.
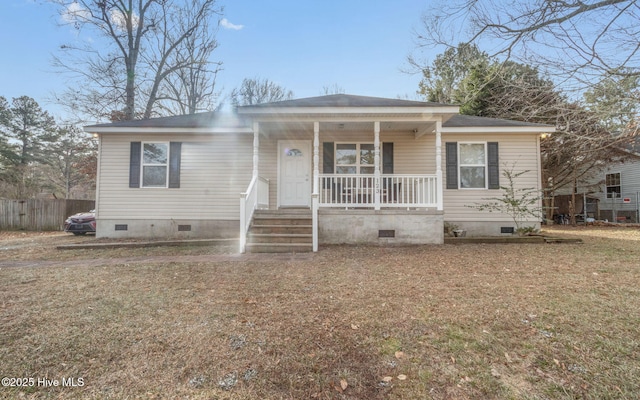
(577, 40)
(193, 88)
(71, 164)
(332, 89)
(138, 51)
(256, 91)
(616, 100)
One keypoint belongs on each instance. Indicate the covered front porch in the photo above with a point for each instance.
(365, 175)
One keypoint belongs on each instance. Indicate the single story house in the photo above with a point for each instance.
(296, 174)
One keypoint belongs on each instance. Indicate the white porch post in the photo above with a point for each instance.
(316, 157)
(439, 183)
(376, 164)
(316, 184)
(256, 148)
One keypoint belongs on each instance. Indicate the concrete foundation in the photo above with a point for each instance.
(339, 226)
(168, 229)
(490, 228)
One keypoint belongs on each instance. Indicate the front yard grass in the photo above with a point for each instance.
(531, 321)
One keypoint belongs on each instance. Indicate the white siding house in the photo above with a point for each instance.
(362, 169)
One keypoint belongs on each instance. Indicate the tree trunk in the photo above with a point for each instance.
(572, 206)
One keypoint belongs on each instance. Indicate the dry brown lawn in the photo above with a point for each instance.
(477, 321)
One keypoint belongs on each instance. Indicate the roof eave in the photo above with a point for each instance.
(160, 130)
(499, 129)
(295, 111)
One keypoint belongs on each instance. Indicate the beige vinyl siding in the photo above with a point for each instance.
(215, 169)
(518, 149)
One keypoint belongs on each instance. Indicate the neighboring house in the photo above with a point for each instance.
(618, 196)
(346, 169)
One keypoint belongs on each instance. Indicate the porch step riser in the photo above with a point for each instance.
(282, 229)
(286, 211)
(299, 239)
(281, 221)
(278, 248)
(280, 232)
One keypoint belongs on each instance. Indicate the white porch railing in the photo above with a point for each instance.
(256, 197)
(349, 190)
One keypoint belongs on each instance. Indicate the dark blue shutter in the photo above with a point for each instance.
(493, 165)
(134, 164)
(327, 163)
(452, 165)
(387, 158)
(175, 149)
(327, 158)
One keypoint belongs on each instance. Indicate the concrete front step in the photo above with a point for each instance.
(279, 247)
(265, 220)
(280, 238)
(280, 231)
(284, 211)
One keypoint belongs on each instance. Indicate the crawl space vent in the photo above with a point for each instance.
(122, 227)
(386, 233)
(506, 229)
(184, 228)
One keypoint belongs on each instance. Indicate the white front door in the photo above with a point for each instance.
(294, 175)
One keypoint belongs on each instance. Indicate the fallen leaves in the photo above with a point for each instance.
(341, 386)
(242, 315)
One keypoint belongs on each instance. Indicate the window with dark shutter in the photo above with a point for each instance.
(151, 166)
(452, 164)
(175, 149)
(387, 158)
(327, 158)
(493, 165)
(134, 164)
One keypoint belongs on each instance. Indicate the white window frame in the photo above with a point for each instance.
(358, 165)
(606, 187)
(485, 166)
(143, 165)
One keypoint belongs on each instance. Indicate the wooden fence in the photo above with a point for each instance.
(39, 214)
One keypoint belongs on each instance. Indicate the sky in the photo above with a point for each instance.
(303, 45)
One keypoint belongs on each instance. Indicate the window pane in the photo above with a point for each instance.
(155, 153)
(472, 177)
(613, 191)
(613, 179)
(367, 154)
(346, 154)
(345, 170)
(366, 170)
(472, 154)
(293, 153)
(154, 176)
